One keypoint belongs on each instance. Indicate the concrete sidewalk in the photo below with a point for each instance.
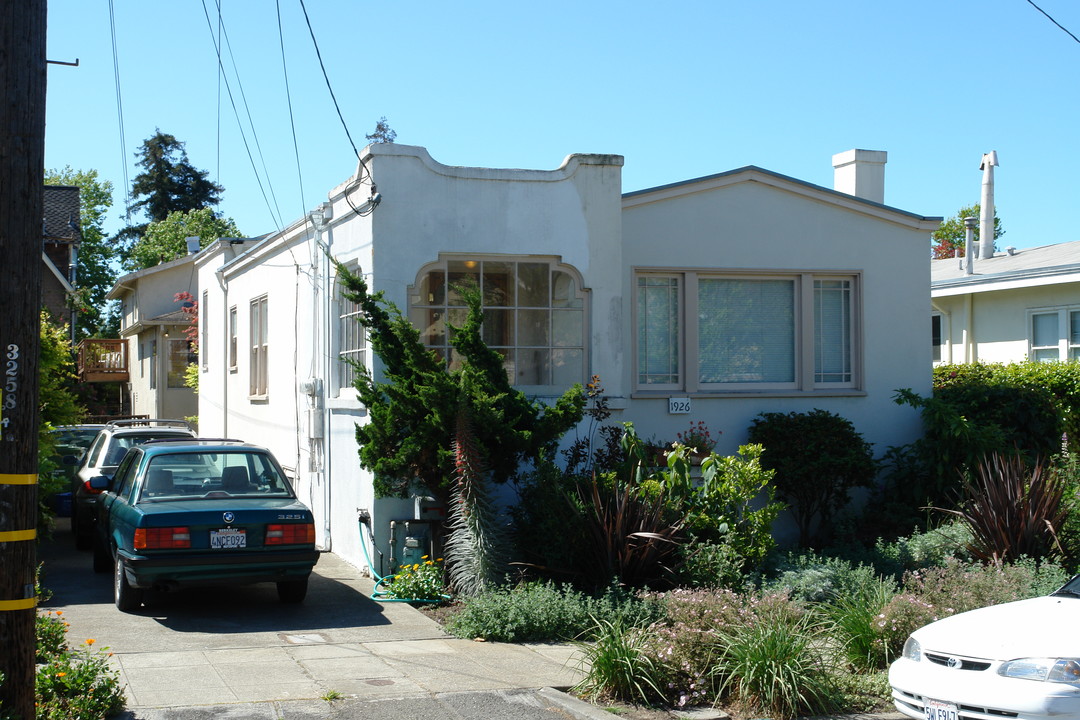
(239, 653)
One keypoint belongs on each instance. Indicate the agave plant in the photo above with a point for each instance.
(476, 545)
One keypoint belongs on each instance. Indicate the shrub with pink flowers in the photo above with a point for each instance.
(956, 587)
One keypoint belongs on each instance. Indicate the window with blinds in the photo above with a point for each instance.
(716, 332)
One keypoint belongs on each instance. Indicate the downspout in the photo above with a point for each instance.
(321, 251)
(220, 274)
(73, 270)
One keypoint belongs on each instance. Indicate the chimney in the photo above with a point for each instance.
(861, 173)
(192, 245)
(986, 216)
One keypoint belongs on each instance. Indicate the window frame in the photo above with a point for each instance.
(805, 341)
(347, 312)
(564, 295)
(233, 349)
(259, 346)
(176, 347)
(1065, 347)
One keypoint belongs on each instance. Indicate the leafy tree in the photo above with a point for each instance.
(383, 132)
(413, 412)
(168, 183)
(97, 268)
(949, 239)
(167, 239)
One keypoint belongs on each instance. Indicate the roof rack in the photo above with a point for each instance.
(150, 422)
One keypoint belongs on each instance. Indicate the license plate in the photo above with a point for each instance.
(237, 538)
(937, 710)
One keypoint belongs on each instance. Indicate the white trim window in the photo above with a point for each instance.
(1054, 334)
(351, 339)
(260, 348)
(703, 331)
(534, 315)
(232, 339)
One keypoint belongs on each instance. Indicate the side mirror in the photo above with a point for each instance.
(100, 482)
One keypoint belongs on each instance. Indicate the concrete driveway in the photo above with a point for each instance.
(239, 649)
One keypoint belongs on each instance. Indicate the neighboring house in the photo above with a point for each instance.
(714, 299)
(1017, 305)
(156, 346)
(60, 247)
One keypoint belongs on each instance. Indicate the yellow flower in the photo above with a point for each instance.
(90, 641)
(60, 674)
(423, 557)
(59, 613)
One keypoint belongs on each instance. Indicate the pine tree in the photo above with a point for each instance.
(168, 183)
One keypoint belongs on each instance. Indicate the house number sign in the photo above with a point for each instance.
(678, 405)
(8, 400)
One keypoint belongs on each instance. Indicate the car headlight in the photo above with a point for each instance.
(912, 649)
(1059, 670)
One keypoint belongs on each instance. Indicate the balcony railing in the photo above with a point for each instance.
(103, 360)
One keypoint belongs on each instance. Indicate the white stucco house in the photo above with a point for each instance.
(1016, 305)
(713, 299)
(154, 326)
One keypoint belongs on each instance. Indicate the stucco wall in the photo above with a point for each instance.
(745, 224)
(997, 321)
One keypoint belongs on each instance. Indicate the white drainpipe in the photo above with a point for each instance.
(321, 250)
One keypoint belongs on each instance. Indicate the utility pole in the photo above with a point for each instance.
(22, 162)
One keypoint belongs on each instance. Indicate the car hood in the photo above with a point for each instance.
(1039, 627)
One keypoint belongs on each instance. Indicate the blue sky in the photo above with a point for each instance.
(681, 90)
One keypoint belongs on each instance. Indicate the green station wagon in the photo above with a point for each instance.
(201, 512)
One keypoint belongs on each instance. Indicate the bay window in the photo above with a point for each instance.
(533, 315)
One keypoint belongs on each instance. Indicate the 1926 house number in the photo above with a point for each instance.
(678, 406)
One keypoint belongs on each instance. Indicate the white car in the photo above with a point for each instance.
(1017, 660)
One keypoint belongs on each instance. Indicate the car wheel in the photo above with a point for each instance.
(102, 561)
(292, 591)
(127, 598)
(83, 535)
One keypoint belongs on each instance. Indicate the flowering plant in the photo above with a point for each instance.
(422, 582)
(698, 437)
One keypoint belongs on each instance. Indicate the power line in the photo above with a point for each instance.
(288, 98)
(1053, 21)
(331, 89)
(120, 113)
(236, 114)
(247, 111)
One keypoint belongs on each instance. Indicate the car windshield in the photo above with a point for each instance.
(1071, 588)
(205, 474)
